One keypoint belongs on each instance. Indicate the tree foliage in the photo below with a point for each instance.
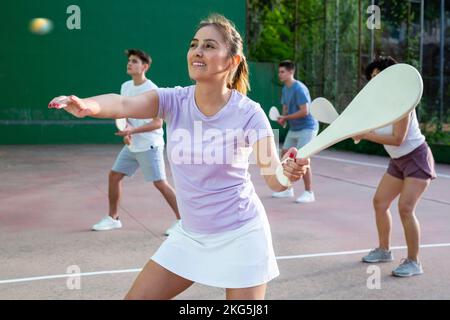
(331, 44)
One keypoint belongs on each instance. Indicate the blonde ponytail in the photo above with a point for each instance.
(240, 80)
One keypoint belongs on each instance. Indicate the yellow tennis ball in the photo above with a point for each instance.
(41, 26)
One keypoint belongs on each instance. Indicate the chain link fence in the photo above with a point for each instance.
(332, 41)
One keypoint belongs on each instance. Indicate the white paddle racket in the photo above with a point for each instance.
(387, 98)
(121, 124)
(324, 111)
(274, 114)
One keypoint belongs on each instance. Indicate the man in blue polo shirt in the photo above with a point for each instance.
(303, 127)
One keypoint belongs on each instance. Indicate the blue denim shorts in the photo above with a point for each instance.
(299, 139)
(151, 163)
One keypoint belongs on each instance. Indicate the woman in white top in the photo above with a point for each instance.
(410, 171)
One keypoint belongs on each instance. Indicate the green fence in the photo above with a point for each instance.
(266, 90)
(90, 61)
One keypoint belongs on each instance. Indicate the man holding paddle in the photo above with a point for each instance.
(144, 146)
(302, 126)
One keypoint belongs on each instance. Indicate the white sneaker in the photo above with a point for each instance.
(173, 226)
(306, 197)
(107, 223)
(289, 193)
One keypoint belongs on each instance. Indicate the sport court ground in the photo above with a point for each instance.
(51, 195)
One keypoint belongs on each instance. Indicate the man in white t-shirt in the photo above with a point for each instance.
(144, 146)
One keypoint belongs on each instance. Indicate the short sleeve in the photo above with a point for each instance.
(283, 99)
(170, 100)
(258, 127)
(152, 86)
(300, 97)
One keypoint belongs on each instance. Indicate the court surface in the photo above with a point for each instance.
(51, 195)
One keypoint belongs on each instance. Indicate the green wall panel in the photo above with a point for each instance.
(90, 61)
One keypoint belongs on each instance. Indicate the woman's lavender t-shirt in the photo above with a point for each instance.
(209, 159)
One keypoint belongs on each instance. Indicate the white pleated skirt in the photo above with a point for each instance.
(240, 258)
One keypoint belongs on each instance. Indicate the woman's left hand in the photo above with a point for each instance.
(294, 168)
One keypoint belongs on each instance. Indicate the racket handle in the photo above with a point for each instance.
(282, 179)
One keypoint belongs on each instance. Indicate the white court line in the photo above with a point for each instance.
(367, 164)
(315, 255)
(67, 275)
(303, 256)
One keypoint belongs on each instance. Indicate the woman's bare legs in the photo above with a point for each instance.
(388, 189)
(413, 189)
(157, 283)
(252, 293)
